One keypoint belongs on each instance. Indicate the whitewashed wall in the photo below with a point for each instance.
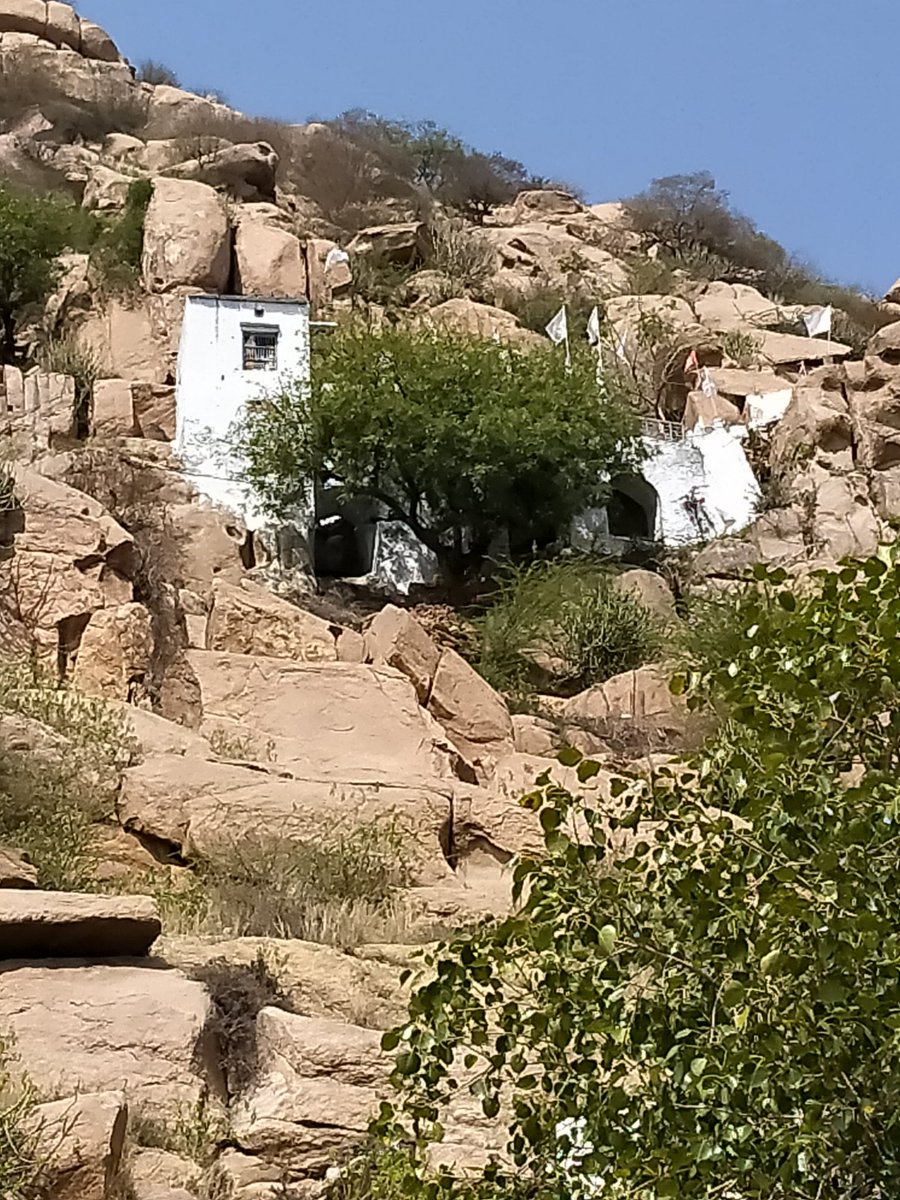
(213, 387)
(713, 464)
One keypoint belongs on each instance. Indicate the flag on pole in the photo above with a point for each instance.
(620, 344)
(692, 365)
(558, 332)
(593, 327)
(818, 320)
(707, 386)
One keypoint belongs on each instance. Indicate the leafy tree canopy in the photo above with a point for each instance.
(462, 440)
(718, 1016)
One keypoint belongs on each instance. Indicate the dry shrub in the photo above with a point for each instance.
(341, 890)
(461, 253)
(24, 1158)
(26, 86)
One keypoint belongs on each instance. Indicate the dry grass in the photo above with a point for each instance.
(343, 890)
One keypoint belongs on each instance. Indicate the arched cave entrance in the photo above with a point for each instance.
(344, 542)
(632, 508)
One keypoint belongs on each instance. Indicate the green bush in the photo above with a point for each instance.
(64, 780)
(698, 994)
(118, 249)
(569, 617)
(32, 236)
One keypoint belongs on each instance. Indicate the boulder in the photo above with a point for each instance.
(318, 981)
(326, 279)
(320, 1085)
(650, 589)
(15, 870)
(470, 319)
(473, 714)
(97, 44)
(36, 408)
(843, 521)
(405, 243)
(106, 190)
(817, 419)
(538, 250)
(781, 349)
(636, 706)
(394, 638)
(327, 720)
(24, 16)
(37, 924)
(63, 25)
(886, 341)
(625, 312)
(543, 201)
(186, 238)
(113, 657)
(534, 735)
(735, 306)
(71, 559)
(248, 619)
(86, 1028)
(245, 170)
(210, 542)
(112, 410)
(153, 407)
(84, 1139)
(207, 809)
(270, 262)
(156, 1174)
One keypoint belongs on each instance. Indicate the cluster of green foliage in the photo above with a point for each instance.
(568, 615)
(339, 889)
(118, 248)
(694, 223)
(23, 1153)
(462, 440)
(53, 792)
(713, 1011)
(32, 236)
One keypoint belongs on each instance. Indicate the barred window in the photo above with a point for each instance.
(260, 349)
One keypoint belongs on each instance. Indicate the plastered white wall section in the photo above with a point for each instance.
(213, 388)
(709, 464)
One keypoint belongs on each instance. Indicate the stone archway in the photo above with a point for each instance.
(632, 508)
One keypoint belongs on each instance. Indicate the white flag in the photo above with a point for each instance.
(620, 342)
(335, 256)
(707, 386)
(593, 327)
(818, 321)
(558, 329)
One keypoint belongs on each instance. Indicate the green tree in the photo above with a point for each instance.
(459, 439)
(32, 236)
(718, 1016)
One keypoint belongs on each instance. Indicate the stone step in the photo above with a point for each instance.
(36, 924)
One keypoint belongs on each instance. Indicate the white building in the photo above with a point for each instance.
(233, 349)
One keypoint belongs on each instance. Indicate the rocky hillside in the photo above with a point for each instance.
(234, 806)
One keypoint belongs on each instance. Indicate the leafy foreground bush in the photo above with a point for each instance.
(461, 440)
(60, 753)
(570, 616)
(718, 1016)
(340, 890)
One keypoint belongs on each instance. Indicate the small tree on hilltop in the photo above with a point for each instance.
(32, 235)
(459, 439)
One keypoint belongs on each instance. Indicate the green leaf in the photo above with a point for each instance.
(569, 756)
(390, 1040)
(769, 962)
(587, 770)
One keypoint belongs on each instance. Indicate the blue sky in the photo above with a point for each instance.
(791, 104)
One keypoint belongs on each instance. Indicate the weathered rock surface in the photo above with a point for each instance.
(651, 590)
(636, 703)
(470, 319)
(248, 619)
(84, 1140)
(473, 714)
(37, 924)
(270, 262)
(186, 239)
(394, 638)
(114, 654)
(89, 1028)
(15, 871)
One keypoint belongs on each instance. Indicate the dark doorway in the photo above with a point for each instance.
(632, 508)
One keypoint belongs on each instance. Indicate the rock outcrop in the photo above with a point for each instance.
(69, 925)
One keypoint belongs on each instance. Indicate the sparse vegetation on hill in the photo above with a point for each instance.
(463, 441)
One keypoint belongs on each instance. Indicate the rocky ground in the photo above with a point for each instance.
(198, 1062)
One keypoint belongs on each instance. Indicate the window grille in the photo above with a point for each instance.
(260, 349)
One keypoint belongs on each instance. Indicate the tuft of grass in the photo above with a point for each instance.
(118, 249)
(59, 777)
(461, 253)
(341, 890)
(564, 621)
(194, 1131)
(67, 356)
(23, 1153)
